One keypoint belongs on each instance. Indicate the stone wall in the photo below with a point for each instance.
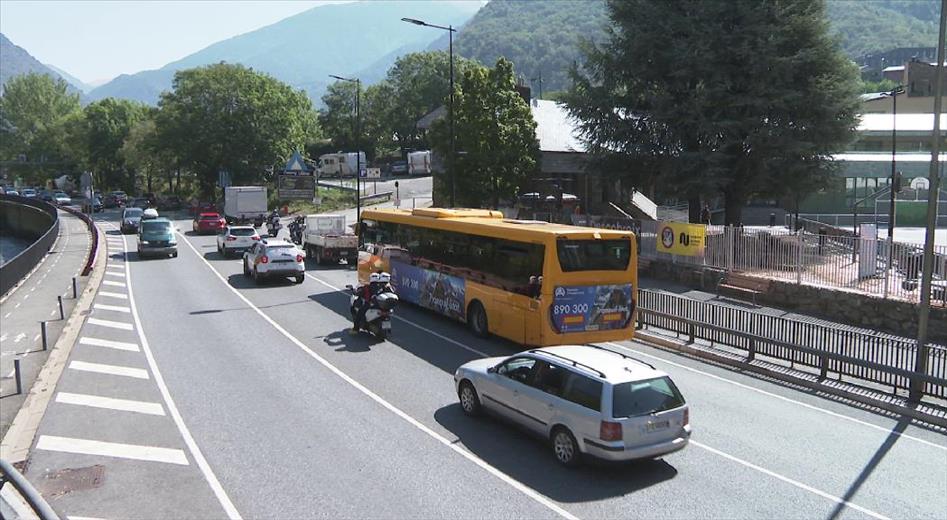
(859, 310)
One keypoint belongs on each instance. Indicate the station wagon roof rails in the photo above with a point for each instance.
(574, 362)
(626, 356)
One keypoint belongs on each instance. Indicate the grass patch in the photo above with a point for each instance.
(333, 199)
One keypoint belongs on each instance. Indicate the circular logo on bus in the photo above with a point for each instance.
(667, 237)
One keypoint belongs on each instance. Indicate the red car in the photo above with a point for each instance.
(209, 223)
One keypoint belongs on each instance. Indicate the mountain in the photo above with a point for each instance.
(15, 61)
(302, 50)
(72, 80)
(542, 37)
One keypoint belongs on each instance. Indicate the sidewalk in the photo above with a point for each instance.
(33, 301)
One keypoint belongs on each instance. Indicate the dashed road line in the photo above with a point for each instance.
(111, 449)
(115, 370)
(113, 295)
(36, 337)
(7, 315)
(124, 405)
(20, 337)
(3, 337)
(116, 308)
(118, 345)
(110, 324)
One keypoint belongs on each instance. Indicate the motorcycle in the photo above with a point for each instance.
(273, 227)
(296, 228)
(378, 316)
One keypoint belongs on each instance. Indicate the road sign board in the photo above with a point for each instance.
(374, 173)
(296, 187)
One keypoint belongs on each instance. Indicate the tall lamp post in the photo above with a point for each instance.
(358, 153)
(450, 161)
(893, 186)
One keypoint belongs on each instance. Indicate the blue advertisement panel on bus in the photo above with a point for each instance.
(430, 289)
(587, 308)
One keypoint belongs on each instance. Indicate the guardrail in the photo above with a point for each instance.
(94, 231)
(845, 351)
(17, 267)
(384, 196)
(26, 490)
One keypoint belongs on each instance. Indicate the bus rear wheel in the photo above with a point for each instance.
(477, 319)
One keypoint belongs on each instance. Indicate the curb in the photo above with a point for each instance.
(680, 347)
(16, 444)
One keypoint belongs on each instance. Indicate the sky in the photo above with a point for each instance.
(96, 41)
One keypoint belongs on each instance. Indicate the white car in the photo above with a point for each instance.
(584, 399)
(237, 239)
(274, 258)
(62, 199)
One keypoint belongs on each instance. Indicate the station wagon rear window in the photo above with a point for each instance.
(644, 397)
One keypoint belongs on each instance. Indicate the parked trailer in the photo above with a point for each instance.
(325, 240)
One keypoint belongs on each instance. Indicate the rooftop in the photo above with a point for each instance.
(618, 367)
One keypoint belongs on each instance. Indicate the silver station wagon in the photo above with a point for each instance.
(585, 399)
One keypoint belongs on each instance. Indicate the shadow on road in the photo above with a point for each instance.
(239, 281)
(529, 460)
(346, 342)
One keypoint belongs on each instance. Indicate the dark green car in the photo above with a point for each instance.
(156, 238)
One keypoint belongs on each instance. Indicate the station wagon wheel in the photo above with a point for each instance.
(565, 447)
(477, 319)
(469, 401)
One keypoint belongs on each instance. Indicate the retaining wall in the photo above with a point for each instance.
(30, 219)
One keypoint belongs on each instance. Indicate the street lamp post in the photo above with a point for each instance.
(358, 153)
(450, 160)
(893, 181)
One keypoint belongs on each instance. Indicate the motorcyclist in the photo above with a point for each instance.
(274, 222)
(364, 296)
(296, 229)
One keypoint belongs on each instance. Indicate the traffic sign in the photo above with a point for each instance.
(374, 173)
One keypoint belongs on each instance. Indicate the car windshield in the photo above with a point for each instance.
(155, 230)
(594, 255)
(242, 232)
(644, 397)
(133, 212)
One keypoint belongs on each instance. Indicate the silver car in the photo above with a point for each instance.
(236, 239)
(585, 399)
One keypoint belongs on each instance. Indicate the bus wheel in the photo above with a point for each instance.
(477, 319)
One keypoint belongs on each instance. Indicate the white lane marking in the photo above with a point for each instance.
(113, 295)
(7, 315)
(115, 370)
(36, 337)
(74, 517)
(12, 372)
(3, 337)
(515, 484)
(96, 401)
(777, 396)
(119, 345)
(110, 282)
(747, 464)
(110, 324)
(33, 289)
(792, 482)
(26, 296)
(202, 463)
(19, 337)
(120, 275)
(111, 449)
(17, 306)
(116, 308)
(52, 312)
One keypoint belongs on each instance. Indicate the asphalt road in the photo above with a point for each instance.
(289, 417)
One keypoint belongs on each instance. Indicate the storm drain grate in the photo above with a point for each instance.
(67, 480)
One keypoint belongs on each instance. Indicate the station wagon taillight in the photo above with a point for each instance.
(610, 431)
(231, 238)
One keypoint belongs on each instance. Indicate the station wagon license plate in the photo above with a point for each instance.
(657, 426)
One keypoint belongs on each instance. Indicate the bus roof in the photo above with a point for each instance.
(488, 222)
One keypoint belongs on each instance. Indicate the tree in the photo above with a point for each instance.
(34, 112)
(108, 122)
(495, 138)
(228, 117)
(337, 118)
(727, 97)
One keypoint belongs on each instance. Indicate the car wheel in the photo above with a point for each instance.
(469, 401)
(300, 278)
(246, 270)
(257, 279)
(477, 319)
(564, 447)
(174, 254)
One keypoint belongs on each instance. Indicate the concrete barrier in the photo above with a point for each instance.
(32, 219)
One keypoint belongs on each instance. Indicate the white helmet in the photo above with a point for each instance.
(374, 277)
(384, 277)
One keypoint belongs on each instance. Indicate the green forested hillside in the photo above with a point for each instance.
(542, 36)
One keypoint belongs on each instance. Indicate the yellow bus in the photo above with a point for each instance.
(531, 282)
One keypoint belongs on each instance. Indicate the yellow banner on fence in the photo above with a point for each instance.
(679, 238)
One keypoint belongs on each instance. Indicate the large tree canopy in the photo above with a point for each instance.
(495, 138)
(718, 97)
(228, 117)
(108, 123)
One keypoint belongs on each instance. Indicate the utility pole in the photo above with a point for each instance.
(920, 364)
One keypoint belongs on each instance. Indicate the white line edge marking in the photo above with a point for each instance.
(119, 345)
(110, 282)
(112, 295)
(116, 308)
(112, 449)
(113, 273)
(790, 481)
(708, 448)
(202, 463)
(73, 517)
(519, 486)
(109, 403)
(115, 370)
(109, 323)
(777, 396)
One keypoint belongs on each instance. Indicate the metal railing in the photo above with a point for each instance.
(832, 260)
(36, 502)
(17, 267)
(832, 349)
(94, 231)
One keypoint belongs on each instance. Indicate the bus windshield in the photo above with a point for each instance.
(593, 255)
